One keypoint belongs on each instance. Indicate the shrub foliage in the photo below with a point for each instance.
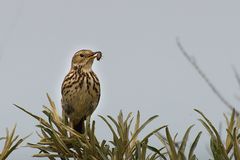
(57, 140)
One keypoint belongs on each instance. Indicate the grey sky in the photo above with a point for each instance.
(142, 68)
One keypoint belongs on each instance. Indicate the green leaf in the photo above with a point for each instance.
(173, 152)
(184, 141)
(193, 146)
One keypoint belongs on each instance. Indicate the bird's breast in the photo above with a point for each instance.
(81, 94)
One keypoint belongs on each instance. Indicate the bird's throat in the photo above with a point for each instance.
(88, 66)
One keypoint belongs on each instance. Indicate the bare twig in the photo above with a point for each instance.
(201, 73)
(236, 75)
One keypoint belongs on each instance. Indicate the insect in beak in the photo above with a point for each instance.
(97, 55)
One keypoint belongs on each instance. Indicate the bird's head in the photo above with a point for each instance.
(85, 58)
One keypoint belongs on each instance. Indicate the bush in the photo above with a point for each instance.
(59, 141)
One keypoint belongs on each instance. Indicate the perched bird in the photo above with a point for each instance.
(81, 89)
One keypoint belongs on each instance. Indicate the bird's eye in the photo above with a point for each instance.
(81, 55)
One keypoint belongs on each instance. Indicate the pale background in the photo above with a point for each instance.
(142, 68)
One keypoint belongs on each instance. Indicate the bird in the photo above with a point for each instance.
(80, 89)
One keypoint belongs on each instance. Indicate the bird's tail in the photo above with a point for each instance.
(80, 126)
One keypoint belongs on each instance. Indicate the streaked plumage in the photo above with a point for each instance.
(81, 89)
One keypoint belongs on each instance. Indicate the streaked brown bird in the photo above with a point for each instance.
(81, 89)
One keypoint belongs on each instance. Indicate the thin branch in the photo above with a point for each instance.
(236, 75)
(201, 73)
